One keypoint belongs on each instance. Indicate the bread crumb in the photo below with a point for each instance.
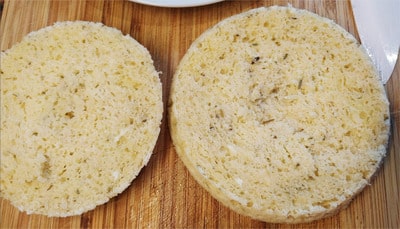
(279, 114)
(82, 112)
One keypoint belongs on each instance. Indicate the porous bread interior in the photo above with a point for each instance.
(279, 114)
(81, 112)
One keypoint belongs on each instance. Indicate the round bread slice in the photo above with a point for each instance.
(279, 114)
(81, 113)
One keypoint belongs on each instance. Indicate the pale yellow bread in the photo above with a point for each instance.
(279, 114)
(81, 106)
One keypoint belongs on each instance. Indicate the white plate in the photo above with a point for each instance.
(378, 25)
(176, 3)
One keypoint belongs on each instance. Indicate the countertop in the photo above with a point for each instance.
(164, 195)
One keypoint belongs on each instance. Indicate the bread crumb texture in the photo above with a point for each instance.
(81, 107)
(279, 114)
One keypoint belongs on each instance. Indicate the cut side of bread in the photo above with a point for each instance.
(279, 113)
(81, 107)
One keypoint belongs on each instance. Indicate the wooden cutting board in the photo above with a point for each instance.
(164, 195)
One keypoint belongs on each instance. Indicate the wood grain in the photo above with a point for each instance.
(165, 195)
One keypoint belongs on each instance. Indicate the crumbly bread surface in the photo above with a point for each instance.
(279, 114)
(81, 106)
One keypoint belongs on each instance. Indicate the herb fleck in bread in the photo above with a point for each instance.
(279, 114)
(81, 107)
